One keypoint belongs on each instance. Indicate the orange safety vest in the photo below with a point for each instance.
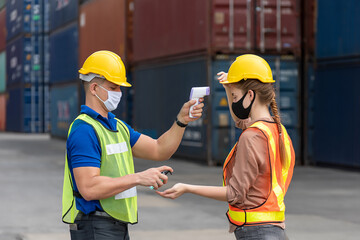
(273, 209)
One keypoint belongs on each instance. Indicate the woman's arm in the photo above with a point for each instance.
(217, 193)
(223, 77)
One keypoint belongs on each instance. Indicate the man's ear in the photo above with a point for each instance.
(92, 87)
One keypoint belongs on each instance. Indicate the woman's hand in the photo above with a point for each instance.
(222, 76)
(176, 191)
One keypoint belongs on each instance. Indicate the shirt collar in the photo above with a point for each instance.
(92, 113)
(251, 122)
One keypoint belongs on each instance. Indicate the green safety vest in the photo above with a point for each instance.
(116, 161)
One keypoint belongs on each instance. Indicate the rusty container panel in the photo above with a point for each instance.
(3, 98)
(170, 27)
(102, 27)
(2, 29)
(309, 22)
(232, 25)
(278, 26)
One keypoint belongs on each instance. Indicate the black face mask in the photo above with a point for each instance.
(239, 110)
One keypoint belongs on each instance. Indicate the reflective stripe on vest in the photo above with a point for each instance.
(116, 161)
(273, 209)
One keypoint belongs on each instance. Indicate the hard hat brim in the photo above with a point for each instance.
(228, 82)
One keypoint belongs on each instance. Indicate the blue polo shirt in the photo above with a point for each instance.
(84, 150)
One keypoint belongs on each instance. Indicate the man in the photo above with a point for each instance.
(99, 193)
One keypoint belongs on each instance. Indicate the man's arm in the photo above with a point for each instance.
(165, 146)
(92, 186)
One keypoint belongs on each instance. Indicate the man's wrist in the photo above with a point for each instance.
(180, 123)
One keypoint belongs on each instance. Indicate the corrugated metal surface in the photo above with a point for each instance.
(2, 29)
(160, 92)
(172, 80)
(124, 109)
(3, 98)
(46, 57)
(2, 72)
(2, 3)
(336, 113)
(64, 54)
(47, 116)
(219, 26)
(24, 16)
(310, 112)
(337, 22)
(24, 60)
(163, 28)
(309, 22)
(102, 27)
(60, 12)
(64, 108)
(278, 25)
(24, 109)
(233, 25)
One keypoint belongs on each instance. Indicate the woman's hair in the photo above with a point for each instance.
(266, 94)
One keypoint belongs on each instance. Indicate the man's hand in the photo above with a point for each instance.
(183, 115)
(153, 177)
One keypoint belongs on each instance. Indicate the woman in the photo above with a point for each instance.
(258, 170)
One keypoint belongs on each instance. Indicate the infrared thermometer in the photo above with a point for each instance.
(197, 93)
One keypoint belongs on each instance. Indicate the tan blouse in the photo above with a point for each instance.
(248, 185)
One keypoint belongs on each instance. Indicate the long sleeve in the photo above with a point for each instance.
(248, 184)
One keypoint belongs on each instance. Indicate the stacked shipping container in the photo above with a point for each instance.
(104, 25)
(61, 65)
(2, 65)
(181, 44)
(24, 101)
(75, 32)
(334, 104)
(174, 45)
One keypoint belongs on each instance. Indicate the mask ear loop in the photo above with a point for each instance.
(98, 96)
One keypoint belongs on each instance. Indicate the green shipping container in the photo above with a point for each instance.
(2, 3)
(2, 71)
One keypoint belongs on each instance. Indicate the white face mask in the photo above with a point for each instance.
(113, 99)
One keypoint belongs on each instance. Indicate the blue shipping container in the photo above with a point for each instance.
(167, 86)
(46, 108)
(64, 108)
(336, 113)
(24, 16)
(24, 60)
(123, 111)
(285, 72)
(59, 13)
(63, 54)
(24, 109)
(309, 134)
(337, 22)
(2, 71)
(160, 92)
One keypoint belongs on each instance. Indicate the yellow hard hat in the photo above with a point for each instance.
(107, 65)
(249, 66)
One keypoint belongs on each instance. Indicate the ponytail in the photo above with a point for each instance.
(274, 110)
(266, 94)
